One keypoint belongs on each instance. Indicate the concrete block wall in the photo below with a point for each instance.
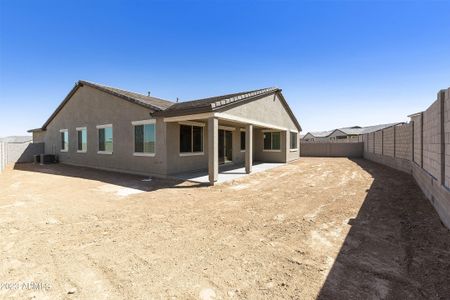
(379, 142)
(332, 150)
(417, 145)
(447, 136)
(3, 157)
(12, 153)
(432, 140)
(403, 141)
(389, 141)
(422, 149)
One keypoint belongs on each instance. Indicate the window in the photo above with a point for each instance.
(272, 141)
(81, 139)
(242, 140)
(191, 139)
(144, 138)
(64, 133)
(294, 140)
(105, 139)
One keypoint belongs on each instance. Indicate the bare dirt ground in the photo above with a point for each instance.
(325, 228)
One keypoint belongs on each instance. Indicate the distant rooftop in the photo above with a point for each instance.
(353, 130)
(16, 139)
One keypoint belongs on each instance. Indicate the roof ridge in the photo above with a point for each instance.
(241, 96)
(229, 95)
(122, 90)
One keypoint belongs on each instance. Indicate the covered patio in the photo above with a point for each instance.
(230, 131)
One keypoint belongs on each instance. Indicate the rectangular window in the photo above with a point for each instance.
(191, 139)
(64, 134)
(293, 140)
(81, 139)
(242, 140)
(272, 141)
(105, 139)
(144, 138)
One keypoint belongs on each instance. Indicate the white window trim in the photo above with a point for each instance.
(227, 128)
(65, 150)
(191, 153)
(144, 154)
(80, 129)
(143, 122)
(271, 150)
(294, 149)
(192, 140)
(190, 123)
(104, 152)
(98, 142)
(104, 126)
(242, 130)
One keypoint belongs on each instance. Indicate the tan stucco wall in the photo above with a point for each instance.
(89, 107)
(268, 110)
(38, 136)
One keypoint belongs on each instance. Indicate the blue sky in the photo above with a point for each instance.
(338, 63)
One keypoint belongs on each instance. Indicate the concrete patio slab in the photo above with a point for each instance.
(226, 172)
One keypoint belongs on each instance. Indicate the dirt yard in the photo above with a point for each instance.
(317, 228)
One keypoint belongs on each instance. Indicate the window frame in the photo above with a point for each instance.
(81, 129)
(271, 140)
(143, 123)
(104, 126)
(192, 125)
(290, 141)
(65, 149)
(240, 140)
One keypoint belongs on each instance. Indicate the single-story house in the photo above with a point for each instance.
(108, 128)
(345, 134)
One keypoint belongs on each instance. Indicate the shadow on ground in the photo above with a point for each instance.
(141, 183)
(397, 248)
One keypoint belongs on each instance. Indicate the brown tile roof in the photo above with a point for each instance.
(161, 107)
(151, 102)
(212, 103)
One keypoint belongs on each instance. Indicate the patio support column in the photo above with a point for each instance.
(287, 149)
(248, 148)
(213, 149)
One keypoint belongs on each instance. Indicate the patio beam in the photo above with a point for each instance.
(213, 149)
(248, 148)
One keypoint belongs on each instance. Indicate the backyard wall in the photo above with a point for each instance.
(348, 149)
(421, 148)
(12, 153)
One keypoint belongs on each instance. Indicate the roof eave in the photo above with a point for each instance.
(36, 130)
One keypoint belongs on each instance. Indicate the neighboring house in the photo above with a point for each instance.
(108, 128)
(345, 134)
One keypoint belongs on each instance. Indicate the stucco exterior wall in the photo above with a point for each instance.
(268, 110)
(38, 136)
(89, 107)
